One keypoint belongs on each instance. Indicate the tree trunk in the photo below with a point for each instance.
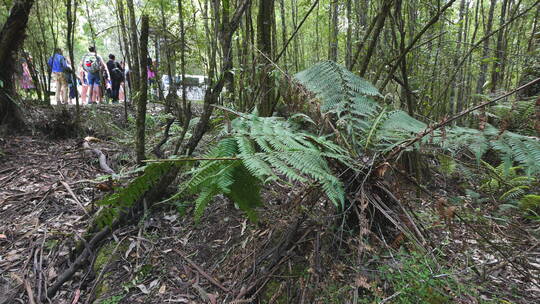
(348, 43)
(71, 16)
(455, 99)
(11, 38)
(128, 57)
(284, 32)
(484, 65)
(172, 86)
(141, 100)
(537, 112)
(135, 73)
(264, 44)
(496, 74)
(333, 40)
(184, 116)
(378, 29)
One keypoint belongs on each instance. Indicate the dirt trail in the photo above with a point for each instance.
(37, 211)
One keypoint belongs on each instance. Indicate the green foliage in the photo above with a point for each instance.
(261, 150)
(368, 126)
(447, 164)
(530, 202)
(112, 300)
(519, 115)
(512, 188)
(376, 129)
(126, 197)
(505, 179)
(415, 281)
(337, 88)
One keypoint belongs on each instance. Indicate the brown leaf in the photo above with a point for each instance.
(362, 281)
(162, 289)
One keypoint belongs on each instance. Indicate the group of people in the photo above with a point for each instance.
(92, 72)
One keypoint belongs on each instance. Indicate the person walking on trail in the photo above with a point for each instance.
(57, 64)
(93, 64)
(27, 83)
(122, 91)
(117, 76)
(84, 85)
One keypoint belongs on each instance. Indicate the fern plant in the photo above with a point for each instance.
(367, 125)
(125, 197)
(512, 187)
(372, 128)
(259, 150)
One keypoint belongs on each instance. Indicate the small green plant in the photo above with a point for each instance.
(126, 197)
(512, 188)
(113, 300)
(530, 202)
(417, 278)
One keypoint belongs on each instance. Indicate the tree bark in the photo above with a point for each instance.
(497, 68)
(385, 10)
(264, 44)
(135, 73)
(333, 35)
(12, 36)
(141, 100)
(484, 65)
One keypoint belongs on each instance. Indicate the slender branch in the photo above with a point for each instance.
(296, 30)
(175, 160)
(431, 22)
(447, 121)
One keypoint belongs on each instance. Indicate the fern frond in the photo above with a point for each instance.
(333, 85)
(126, 197)
(266, 147)
(514, 193)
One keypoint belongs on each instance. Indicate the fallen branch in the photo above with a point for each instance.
(175, 160)
(97, 235)
(68, 188)
(201, 271)
(27, 287)
(102, 158)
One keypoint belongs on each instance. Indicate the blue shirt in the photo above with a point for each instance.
(57, 63)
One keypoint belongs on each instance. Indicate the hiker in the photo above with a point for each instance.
(27, 83)
(122, 91)
(93, 64)
(151, 75)
(117, 76)
(84, 85)
(57, 64)
(72, 81)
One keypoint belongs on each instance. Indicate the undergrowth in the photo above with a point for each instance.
(413, 278)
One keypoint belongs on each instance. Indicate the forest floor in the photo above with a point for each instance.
(48, 190)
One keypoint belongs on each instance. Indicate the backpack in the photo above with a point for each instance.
(68, 74)
(91, 63)
(117, 74)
